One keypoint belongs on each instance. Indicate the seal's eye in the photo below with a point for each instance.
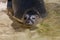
(26, 16)
(32, 17)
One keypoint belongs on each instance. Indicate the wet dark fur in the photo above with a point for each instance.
(20, 6)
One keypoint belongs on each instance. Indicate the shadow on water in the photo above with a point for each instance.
(18, 27)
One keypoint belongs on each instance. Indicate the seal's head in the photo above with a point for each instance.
(31, 17)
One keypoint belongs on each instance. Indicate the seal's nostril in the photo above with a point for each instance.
(27, 22)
